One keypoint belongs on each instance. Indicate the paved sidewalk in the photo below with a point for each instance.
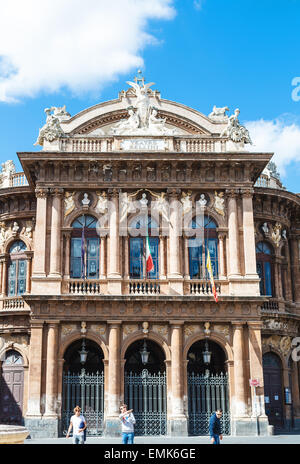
(270, 440)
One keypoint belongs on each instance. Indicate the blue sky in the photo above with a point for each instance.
(237, 53)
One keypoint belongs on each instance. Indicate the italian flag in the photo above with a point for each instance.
(211, 276)
(149, 260)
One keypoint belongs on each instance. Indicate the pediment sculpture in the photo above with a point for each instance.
(143, 118)
(219, 114)
(52, 129)
(235, 131)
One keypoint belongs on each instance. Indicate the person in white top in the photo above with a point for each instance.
(76, 423)
(128, 422)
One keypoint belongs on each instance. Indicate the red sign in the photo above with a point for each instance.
(254, 382)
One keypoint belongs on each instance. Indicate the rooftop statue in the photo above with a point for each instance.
(219, 114)
(235, 131)
(143, 119)
(52, 129)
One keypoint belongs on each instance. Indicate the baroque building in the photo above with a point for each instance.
(85, 320)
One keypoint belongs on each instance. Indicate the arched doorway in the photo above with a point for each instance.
(207, 387)
(12, 389)
(272, 368)
(145, 387)
(83, 385)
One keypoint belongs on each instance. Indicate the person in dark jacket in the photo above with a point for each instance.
(215, 429)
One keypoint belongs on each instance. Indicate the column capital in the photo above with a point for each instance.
(232, 193)
(41, 192)
(247, 192)
(176, 324)
(114, 324)
(256, 325)
(173, 193)
(56, 192)
(238, 324)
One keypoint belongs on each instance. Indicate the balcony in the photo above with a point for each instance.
(13, 304)
(270, 306)
(203, 288)
(84, 287)
(144, 287)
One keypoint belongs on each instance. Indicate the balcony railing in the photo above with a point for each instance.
(271, 306)
(203, 288)
(144, 287)
(84, 287)
(13, 303)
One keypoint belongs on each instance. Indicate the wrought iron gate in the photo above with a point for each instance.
(86, 391)
(206, 393)
(145, 393)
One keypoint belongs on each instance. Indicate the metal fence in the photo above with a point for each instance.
(87, 391)
(206, 393)
(145, 393)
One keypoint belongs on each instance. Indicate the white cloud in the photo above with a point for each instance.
(279, 136)
(51, 44)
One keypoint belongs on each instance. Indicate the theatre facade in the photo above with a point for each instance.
(106, 295)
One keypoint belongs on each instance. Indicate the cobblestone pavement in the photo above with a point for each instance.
(274, 439)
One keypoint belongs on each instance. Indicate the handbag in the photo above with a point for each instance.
(81, 425)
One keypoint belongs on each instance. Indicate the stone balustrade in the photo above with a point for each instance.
(13, 303)
(203, 288)
(144, 287)
(84, 287)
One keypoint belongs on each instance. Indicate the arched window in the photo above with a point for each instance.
(137, 248)
(85, 246)
(16, 279)
(264, 263)
(198, 252)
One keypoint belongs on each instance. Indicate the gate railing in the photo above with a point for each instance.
(206, 393)
(87, 391)
(145, 393)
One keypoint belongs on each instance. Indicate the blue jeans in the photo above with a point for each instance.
(78, 440)
(217, 439)
(127, 438)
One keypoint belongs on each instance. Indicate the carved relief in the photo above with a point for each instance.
(69, 203)
(67, 329)
(219, 203)
(191, 330)
(282, 344)
(222, 329)
(162, 330)
(98, 328)
(129, 329)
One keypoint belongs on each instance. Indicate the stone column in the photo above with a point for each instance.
(174, 275)
(55, 244)
(239, 371)
(39, 262)
(256, 372)
(174, 236)
(178, 422)
(102, 257)
(295, 267)
(233, 258)
(28, 274)
(35, 375)
(249, 238)
(186, 258)
(112, 423)
(221, 240)
(296, 392)
(67, 254)
(289, 293)
(114, 277)
(161, 267)
(51, 377)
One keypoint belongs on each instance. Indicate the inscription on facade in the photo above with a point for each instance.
(143, 144)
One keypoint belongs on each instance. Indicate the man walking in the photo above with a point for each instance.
(215, 430)
(128, 422)
(78, 423)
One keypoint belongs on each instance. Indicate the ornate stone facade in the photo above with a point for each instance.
(119, 162)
